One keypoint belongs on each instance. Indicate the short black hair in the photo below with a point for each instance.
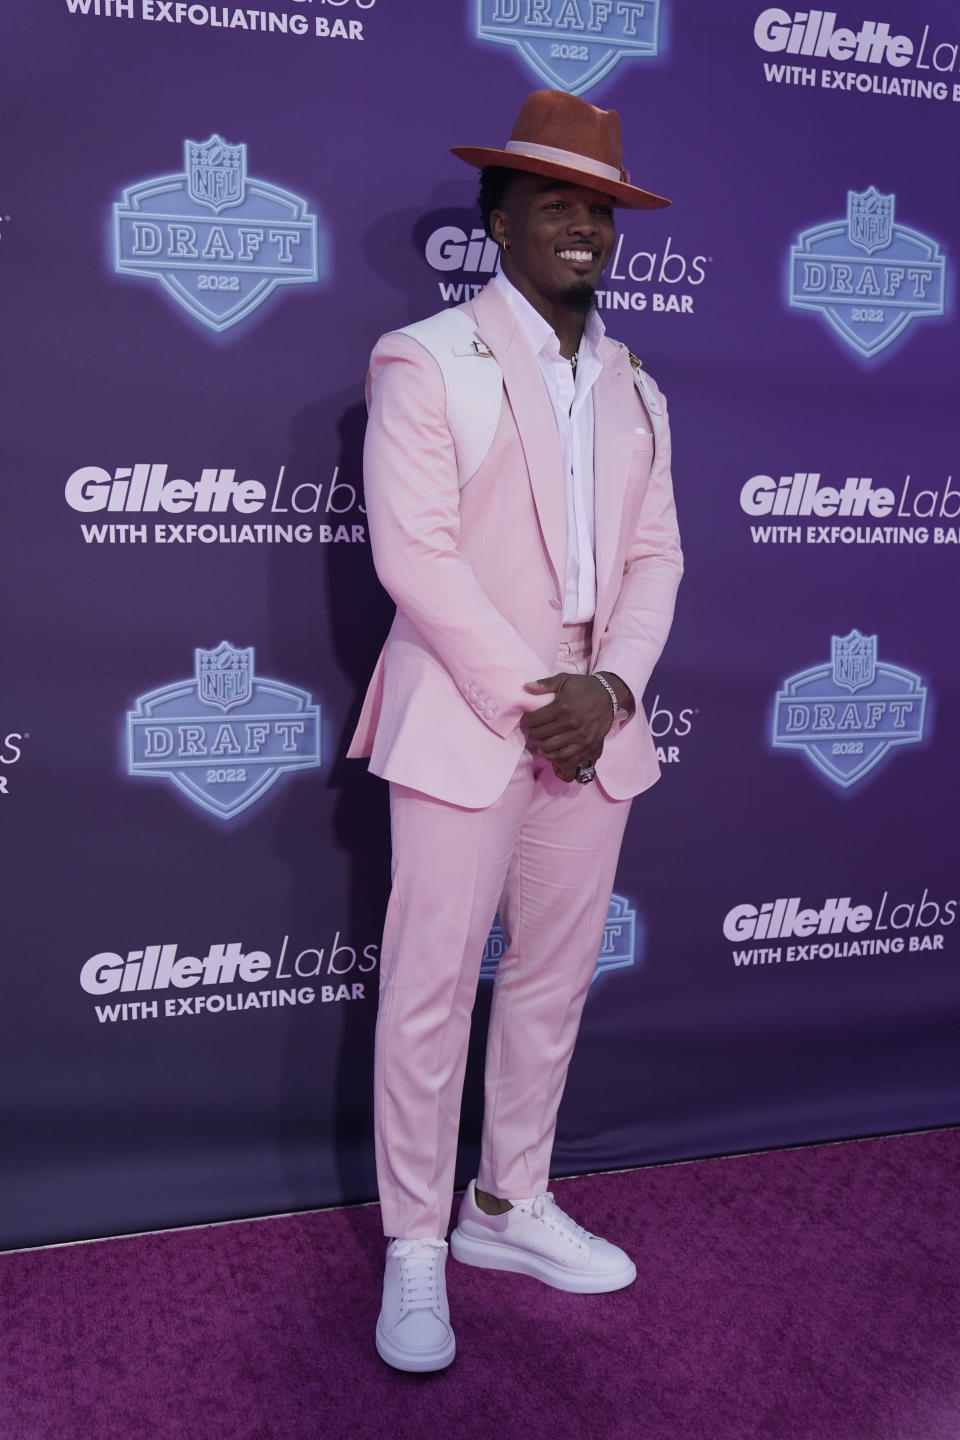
(495, 181)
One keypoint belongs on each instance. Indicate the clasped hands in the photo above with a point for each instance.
(570, 731)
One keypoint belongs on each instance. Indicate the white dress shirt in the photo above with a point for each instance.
(571, 395)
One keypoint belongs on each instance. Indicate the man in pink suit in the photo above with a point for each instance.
(517, 475)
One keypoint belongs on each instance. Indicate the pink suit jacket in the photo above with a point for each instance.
(477, 574)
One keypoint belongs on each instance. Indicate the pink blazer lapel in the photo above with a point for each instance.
(498, 327)
(615, 418)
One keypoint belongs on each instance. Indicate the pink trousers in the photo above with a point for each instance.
(546, 853)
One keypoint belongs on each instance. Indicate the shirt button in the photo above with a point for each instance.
(489, 714)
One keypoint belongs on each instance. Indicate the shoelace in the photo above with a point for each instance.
(544, 1207)
(419, 1272)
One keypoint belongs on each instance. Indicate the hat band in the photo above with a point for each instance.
(569, 158)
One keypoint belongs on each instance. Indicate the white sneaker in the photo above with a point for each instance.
(537, 1238)
(413, 1331)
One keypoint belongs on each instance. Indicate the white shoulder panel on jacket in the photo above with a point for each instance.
(472, 380)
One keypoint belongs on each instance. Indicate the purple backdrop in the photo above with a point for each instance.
(207, 216)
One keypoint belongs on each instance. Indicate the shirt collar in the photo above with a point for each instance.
(539, 332)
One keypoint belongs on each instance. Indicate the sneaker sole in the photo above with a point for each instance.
(412, 1360)
(494, 1255)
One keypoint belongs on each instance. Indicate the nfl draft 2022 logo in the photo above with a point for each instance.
(226, 735)
(218, 241)
(866, 275)
(621, 946)
(572, 44)
(846, 716)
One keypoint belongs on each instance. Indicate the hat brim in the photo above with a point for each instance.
(631, 197)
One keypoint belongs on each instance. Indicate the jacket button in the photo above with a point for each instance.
(555, 604)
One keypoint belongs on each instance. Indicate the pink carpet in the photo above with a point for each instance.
(798, 1295)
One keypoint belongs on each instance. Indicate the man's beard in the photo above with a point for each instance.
(578, 297)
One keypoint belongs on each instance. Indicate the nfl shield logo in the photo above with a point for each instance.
(870, 219)
(572, 44)
(171, 229)
(225, 676)
(848, 715)
(216, 172)
(866, 275)
(223, 762)
(854, 659)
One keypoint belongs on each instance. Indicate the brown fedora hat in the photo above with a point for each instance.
(568, 139)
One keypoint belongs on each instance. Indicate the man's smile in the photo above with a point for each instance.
(578, 256)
